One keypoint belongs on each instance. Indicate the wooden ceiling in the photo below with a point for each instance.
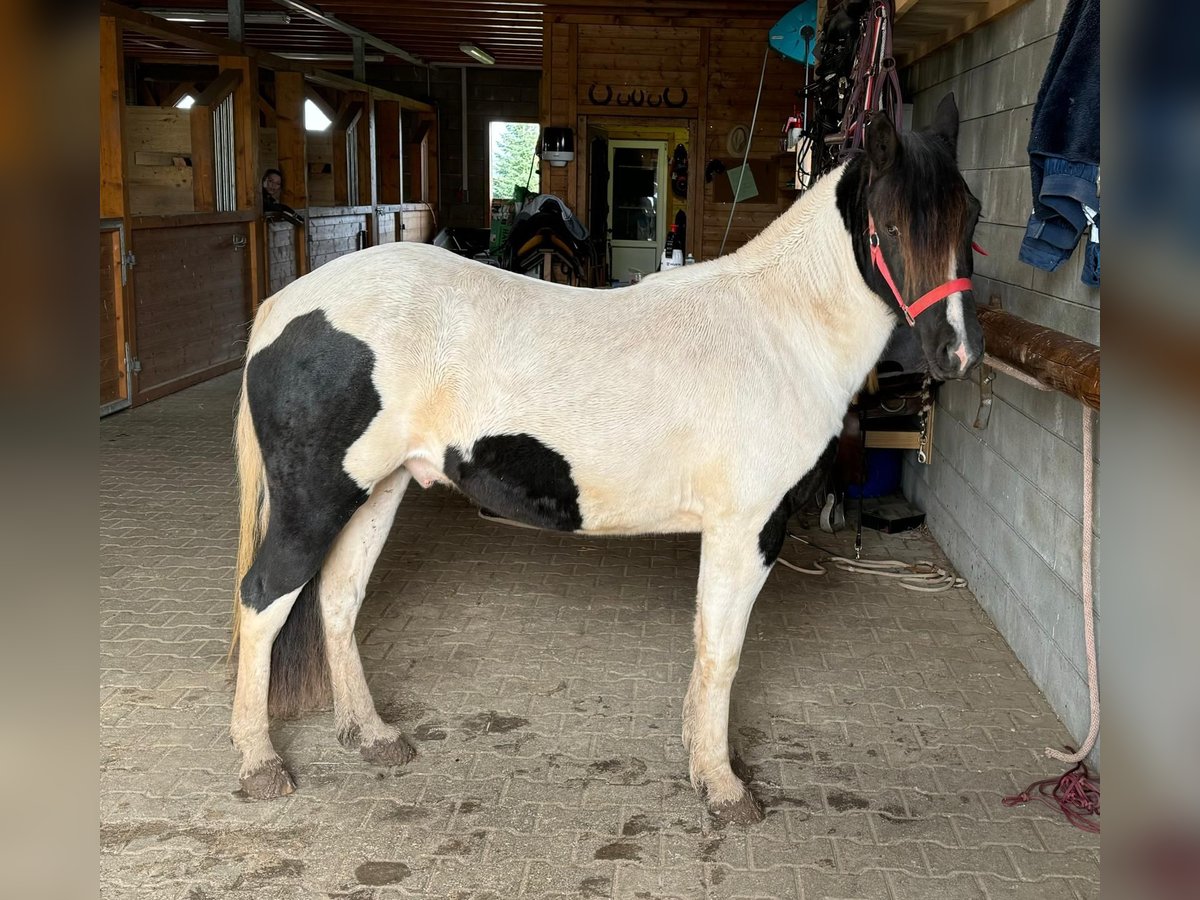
(511, 30)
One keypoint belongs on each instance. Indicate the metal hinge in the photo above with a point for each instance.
(133, 365)
(128, 261)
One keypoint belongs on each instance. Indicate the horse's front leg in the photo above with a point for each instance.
(343, 586)
(732, 571)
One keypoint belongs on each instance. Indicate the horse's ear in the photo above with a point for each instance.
(945, 122)
(882, 142)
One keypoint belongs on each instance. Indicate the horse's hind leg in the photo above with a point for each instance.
(343, 587)
(731, 574)
(262, 775)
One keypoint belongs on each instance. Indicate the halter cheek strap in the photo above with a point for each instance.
(922, 303)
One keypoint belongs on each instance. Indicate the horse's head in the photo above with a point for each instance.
(918, 237)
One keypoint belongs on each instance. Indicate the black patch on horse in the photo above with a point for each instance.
(519, 478)
(311, 396)
(770, 539)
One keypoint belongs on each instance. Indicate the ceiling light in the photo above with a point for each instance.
(217, 15)
(330, 57)
(476, 54)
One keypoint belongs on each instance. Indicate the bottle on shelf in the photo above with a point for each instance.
(672, 255)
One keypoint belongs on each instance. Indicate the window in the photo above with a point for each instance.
(513, 158)
(314, 119)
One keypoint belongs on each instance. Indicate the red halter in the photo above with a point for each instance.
(941, 292)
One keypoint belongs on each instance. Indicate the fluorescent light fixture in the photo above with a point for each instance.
(187, 101)
(476, 54)
(217, 15)
(330, 57)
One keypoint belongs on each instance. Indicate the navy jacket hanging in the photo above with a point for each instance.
(1064, 147)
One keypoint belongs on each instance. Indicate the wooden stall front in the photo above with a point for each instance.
(186, 252)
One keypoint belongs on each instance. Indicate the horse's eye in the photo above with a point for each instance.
(893, 230)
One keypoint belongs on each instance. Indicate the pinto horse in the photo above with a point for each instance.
(695, 401)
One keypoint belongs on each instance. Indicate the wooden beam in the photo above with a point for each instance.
(185, 88)
(367, 161)
(247, 175)
(113, 202)
(974, 16)
(292, 138)
(204, 180)
(217, 46)
(348, 117)
(221, 87)
(1055, 359)
(388, 156)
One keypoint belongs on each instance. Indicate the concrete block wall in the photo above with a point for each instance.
(1006, 502)
(504, 94)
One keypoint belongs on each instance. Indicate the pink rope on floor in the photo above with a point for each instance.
(1075, 793)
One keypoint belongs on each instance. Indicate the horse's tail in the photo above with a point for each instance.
(254, 504)
(299, 674)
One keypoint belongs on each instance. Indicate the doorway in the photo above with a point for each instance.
(636, 219)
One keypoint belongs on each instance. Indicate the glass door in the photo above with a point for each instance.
(636, 225)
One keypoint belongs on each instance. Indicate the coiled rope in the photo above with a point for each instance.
(922, 576)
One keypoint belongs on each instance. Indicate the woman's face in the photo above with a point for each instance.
(273, 184)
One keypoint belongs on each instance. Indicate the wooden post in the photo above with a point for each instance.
(114, 188)
(366, 168)
(293, 152)
(349, 116)
(698, 155)
(387, 151)
(204, 179)
(246, 166)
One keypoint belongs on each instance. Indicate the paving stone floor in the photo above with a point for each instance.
(541, 677)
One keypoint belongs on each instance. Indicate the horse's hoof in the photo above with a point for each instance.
(742, 811)
(269, 780)
(394, 752)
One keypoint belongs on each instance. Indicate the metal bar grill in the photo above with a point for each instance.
(223, 155)
(352, 164)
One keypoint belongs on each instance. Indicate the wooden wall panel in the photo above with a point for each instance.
(282, 265)
(268, 151)
(193, 304)
(718, 61)
(332, 236)
(320, 168)
(159, 145)
(417, 223)
(386, 228)
(112, 343)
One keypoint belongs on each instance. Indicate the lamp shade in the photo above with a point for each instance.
(558, 145)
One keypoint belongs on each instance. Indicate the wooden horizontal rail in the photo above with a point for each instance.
(182, 220)
(1057, 360)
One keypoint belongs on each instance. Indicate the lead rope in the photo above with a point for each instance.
(921, 576)
(1089, 611)
(745, 156)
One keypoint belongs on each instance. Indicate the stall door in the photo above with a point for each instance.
(193, 304)
(114, 357)
(636, 196)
